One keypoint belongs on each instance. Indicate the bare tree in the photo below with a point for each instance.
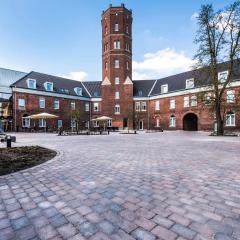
(218, 40)
(77, 116)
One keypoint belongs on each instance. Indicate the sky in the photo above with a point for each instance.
(63, 37)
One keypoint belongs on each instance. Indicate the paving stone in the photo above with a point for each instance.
(87, 229)
(183, 231)
(46, 232)
(26, 233)
(20, 223)
(58, 220)
(107, 227)
(67, 231)
(163, 221)
(164, 233)
(145, 223)
(141, 234)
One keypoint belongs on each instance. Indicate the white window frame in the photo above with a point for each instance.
(117, 44)
(190, 83)
(172, 104)
(143, 106)
(21, 103)
(194, 101)
(73, 123)
(116, 63)
(230, 119)
(42, 123)
(78, 91)
(172, 121)
(42, 103)
(137, 106)
(117, 95)
(96, 107)
(230, 96)
(164, 88)
(157, 105)
(109, 123)
(186, 102)
(47, 84)
(73, 105)
(56, 104)
(157, 122)
(87, 107)
(34, 83)
(220, 78)
(117, 109)
(117, 80)
(127, 65)
(116, 27)
(59, 123)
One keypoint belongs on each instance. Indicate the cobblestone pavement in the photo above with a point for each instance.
(171, 185)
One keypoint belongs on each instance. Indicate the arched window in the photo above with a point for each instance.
(157, 122)
(230, 119)
(172, 121)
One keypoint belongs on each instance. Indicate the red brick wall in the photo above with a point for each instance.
(32, 107)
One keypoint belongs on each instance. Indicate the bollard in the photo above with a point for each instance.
(9, 141)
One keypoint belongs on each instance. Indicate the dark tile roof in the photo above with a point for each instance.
(142, 88)
(8, 76)
(60, 85)
(93, 87)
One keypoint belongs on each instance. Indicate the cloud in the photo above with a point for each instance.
(162, 63)
(79, 76)
(194, 17)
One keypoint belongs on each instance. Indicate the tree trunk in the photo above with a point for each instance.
(220, 129)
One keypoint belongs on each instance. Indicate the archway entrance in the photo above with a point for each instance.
(190, 122)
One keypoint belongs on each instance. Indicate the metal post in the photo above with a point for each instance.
(9, 141)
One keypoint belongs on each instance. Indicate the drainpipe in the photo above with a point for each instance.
(148, 113)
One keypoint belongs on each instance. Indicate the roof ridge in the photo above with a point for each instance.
(86, 90)
(152, 88)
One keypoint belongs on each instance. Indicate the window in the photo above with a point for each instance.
(26, 122)
(73, 123)
(96, 107)
(172, 122)
(116, 80)
(106, 30)
(127, 47)
(157, 105)
(106, 65)
(21, 103)
(59, 123)
(42, 102)
(117, 64)
(140, 93)
(78, 91)
(186, 101)
(137, 106)
(143, 106)
(208, 98)
(116, 27)
(194, 101)
(96, 124)
(48, 86)
(157, 122)
(73, 105)
(56, 104)
(42, 123)
(117, 45)
(109, 123)
(230, 119)
(172, 104)
(164, 88)
(87, 107)
(117, 109)
(230, 96)
(127, 65)
(116, 95)
(127, 29)
(31, 83)
(222, 76)
(106, 47)
(190, 83)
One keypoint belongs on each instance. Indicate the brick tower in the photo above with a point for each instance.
(117, 86)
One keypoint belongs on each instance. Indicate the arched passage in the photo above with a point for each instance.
(190, 122)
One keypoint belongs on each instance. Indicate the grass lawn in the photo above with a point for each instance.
(19, 158)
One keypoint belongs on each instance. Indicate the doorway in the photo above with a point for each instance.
(190, 122)
(141, 127)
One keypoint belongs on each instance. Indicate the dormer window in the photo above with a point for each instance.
(189, 83)
(222, 76)
(164, 88)
(140, 93)
(31, 83)
(116, 27)
(78, 91)
(48, 86)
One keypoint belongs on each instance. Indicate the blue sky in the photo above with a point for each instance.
(63, 37)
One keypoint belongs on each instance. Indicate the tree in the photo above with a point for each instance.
(77, 116)
(218, 40)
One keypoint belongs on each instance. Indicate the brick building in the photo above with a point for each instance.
(169, 103)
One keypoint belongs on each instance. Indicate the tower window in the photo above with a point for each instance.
(127, 29)
(116, 27)
(116, 80)
(127, 47)
(127, 65)
(117, 45)
(116, 95)
(117, 109)
(117, 65)
(106, 65)
(106, 30)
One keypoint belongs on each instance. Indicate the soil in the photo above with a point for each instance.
(19, 158)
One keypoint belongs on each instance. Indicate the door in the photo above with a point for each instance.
(125, 122)
(141, 125)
